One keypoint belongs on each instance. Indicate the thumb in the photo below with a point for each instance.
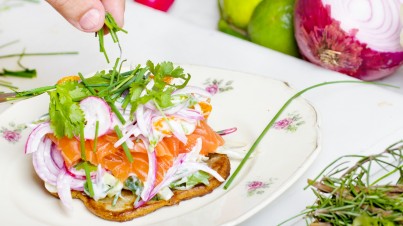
(87, 15)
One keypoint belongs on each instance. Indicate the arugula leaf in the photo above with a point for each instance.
(66, 114)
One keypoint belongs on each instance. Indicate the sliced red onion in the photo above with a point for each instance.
(127, 133)
(192, 90)
(151, 177)
(178, 131)
(174, 109)
(143, 120)
(56, 156)
(227, 131)
(45, 169)
(96, 109)
(189, 114)
(64, 189)
(357, 38)
(185, 165)
(36, 137)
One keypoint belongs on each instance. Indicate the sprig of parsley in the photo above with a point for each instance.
(65, 113)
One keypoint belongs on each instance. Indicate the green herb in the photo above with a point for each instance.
(113, 28)
(96, 136)
(66, 116)
(25, 73)
(124, 145)
(355, 194)
(88, 183)
(273, 120)
(7, 84)
(36, 54)
(80, 166)
(190, 181)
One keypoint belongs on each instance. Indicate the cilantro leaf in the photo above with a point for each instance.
(66, 114)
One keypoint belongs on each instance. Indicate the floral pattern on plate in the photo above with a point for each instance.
(215, 86)
(257, 187)
(12, 133)
(289, 123)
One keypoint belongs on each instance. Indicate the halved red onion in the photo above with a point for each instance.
(96, 109)
(357, 38)
(36, 137)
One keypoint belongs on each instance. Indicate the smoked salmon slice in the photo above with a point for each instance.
(114, 159)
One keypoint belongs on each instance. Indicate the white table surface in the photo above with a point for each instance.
(353, 118)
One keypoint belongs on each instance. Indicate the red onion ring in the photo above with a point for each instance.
(36, 136)
(45, 169)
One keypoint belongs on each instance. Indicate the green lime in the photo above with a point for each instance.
(231, 30)
(271, 25)
(238, 12)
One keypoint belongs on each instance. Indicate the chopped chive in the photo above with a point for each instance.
(84, 157)
(102, 49)
(113, 27)
(114, 71)
(96, 136)
(85, 84)
(124, 145)
(115, 110)
(37, 54)
(26, 73)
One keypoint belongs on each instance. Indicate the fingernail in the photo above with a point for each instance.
(90, 19)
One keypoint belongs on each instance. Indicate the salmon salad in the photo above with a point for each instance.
(144, 130)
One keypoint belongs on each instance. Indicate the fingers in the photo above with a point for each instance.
(116, 8)
(86, 15)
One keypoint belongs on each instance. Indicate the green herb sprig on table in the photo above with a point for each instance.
(367, 193)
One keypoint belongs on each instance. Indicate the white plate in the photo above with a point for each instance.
(245, 101)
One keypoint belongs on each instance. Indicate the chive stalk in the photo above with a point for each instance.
(277, 115)
(96, 136)
(124, 145)
(84, 157)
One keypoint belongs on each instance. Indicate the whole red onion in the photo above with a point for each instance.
(360, 38)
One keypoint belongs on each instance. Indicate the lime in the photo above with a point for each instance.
(231, 30)
(271, 25)
(238, 12)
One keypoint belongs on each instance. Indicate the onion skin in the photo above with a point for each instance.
(322, 41)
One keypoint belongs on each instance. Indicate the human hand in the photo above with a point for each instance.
(89, 15)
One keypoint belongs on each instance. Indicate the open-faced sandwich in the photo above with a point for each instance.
(128, 143)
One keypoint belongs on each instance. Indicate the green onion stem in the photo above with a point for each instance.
(85, 84)
(115, 110)
(36, 91)
(114, 72)
(96, 136)
(84, 157)
(9, 43)
(273, 120)
(124, 145)
(37, 54)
